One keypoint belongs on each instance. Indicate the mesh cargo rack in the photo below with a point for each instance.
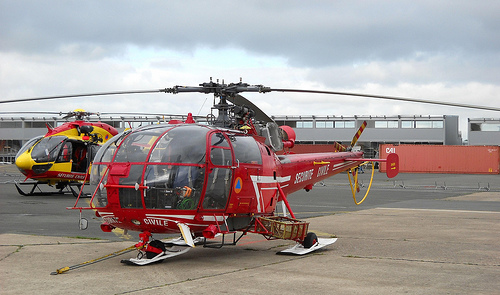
(281, 227)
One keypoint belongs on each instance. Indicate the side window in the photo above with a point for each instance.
(131, 198)
(136, 147)
(93, 151)
(220, 152)
(219, 177)
(218, 188)
(65, 153)
(47, 149)
(218, 140)
(246, 150)
(220, 157)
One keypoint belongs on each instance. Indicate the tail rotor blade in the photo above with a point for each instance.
(338, 147)
(358, 134)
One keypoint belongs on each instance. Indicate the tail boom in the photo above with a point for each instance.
(306, 169)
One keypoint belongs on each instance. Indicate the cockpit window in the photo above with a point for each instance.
(173, 186)
(136, 147)
(131, 198)
(176, 174)
(66, 152)
(183, 144)
(47, 149)
(246, 150)
(108, 150)
(28, 145)
(220, 176)
(169, 164)
(220, 153)
(218, 140)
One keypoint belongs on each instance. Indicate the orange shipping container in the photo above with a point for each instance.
(444, 158)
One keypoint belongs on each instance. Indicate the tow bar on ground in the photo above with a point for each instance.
(114, 254)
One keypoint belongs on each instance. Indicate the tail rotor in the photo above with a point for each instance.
(341, 148)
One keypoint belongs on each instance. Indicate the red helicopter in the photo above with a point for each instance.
(204, 180)
(62, 157)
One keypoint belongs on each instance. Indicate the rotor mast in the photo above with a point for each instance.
(223, 92)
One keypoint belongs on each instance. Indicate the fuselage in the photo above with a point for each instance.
(154, 177)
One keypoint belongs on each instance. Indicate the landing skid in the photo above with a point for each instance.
(37, 191)
(299, 249)
(173, 248)
(33, 191)
(171, 252)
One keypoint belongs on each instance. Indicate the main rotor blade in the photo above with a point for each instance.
(236, 88)
(147, 114)
(82, 95)
(444, 103)
(31, 112)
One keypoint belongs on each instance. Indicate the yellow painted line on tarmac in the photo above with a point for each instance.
(322, 234)
(316, 212)
(439, 210)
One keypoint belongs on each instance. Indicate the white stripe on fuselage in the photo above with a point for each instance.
(342, 165)
(190, 217)
(256, 179)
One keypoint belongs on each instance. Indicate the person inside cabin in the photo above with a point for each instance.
(65, 154)
(79, 158)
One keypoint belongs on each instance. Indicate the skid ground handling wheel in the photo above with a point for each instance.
(310, 240)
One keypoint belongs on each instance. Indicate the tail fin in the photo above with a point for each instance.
(392, 165)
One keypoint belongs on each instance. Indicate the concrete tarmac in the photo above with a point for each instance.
(379, 251)
(443, 245)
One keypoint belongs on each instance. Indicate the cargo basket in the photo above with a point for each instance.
(281, 227)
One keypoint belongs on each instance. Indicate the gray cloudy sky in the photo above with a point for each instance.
(438, 50)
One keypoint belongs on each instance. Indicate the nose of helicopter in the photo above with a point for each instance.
(24, 162)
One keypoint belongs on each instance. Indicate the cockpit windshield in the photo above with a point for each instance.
(184, 144)
(47, 149)
(175, 174)
(28, 145)
(168, 161)
(136, 146)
